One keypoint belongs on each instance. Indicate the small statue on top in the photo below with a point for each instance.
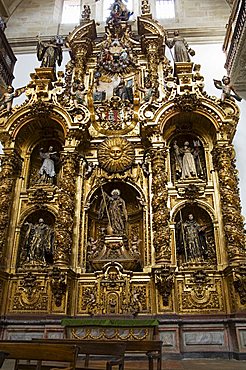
(86, 13)
(118, 13)
(50, 53)
(227, 89)
(182, 51)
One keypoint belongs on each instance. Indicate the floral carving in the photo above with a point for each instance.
(164, 280)
(159, 206)
(11, 166)
(187, 102)
(29, 285)
(224, 163)
(240, 283)
(58, 285)
(66, 199)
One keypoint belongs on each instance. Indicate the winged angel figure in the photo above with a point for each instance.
(227, 89)
(7, 98)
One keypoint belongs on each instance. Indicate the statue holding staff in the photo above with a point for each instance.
(182, 51)
(191, 239)
(116, 212)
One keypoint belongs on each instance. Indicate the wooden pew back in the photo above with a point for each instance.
(114, 350)
(57, 352)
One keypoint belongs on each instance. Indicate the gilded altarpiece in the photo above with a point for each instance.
(118, 185)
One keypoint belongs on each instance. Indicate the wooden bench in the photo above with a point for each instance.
(39, 352)
(3, 355)
(113, 351)
(151, 348)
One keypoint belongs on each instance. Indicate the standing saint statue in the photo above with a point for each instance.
(49, 53)
(116, 212)
(177, 158)
(197, 159)
(188, 162)
(47, 171)
(38, 241)
(182, 51)
(191, 238)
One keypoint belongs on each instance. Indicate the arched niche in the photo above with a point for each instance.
(35, 130)
(44, 166)
(187, 157)
(115, 227)
(36, 243)
(33, 136)
(194, 237)
(191, 122)
(190, 137)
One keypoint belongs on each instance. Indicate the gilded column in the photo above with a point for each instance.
(152, 49)
(224, 163)
(160, 219)
(10, 169)
(66, 209)
(80, 61)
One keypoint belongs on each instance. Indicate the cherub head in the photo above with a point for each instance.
(226, 80)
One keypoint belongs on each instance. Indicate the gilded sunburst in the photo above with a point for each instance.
(116, 154)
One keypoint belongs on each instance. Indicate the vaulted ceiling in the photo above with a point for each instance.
(7, 7)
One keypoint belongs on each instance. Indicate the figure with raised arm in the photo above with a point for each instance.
(47, 171)
(182, 51)
(227, 89)
(49, 53)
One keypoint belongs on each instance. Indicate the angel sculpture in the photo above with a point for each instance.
(7, 98)
(227, 89)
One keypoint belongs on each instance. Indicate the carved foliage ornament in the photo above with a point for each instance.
(164, 280)
(240, 283)
(116, 154)
(224, 163)
(64, 223)
(58, 285)
(187, 103)
(159, 205)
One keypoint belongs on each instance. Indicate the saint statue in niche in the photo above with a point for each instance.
(116, 212)
(47, 171)
(188, 161)
(191, 239)
(38, 242)
(118, 13)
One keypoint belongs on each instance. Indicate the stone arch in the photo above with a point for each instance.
(33, 120)
(206, 117)
(31, 210)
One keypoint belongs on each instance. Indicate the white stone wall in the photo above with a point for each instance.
(33, 17)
